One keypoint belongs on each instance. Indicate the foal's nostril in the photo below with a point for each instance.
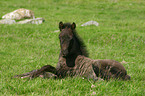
(65, 52)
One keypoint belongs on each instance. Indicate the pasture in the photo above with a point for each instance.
(119, 36)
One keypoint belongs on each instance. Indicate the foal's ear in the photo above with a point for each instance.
(73, 26)
(60, 25)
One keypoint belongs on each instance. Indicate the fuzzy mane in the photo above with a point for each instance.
(82, 45)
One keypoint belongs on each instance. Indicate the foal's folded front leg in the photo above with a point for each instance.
(43, 71)
(25, 75)
(47, 71)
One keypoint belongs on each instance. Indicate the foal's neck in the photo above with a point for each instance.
(70, 60)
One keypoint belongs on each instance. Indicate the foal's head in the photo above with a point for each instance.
(66, 38)
(70, 42)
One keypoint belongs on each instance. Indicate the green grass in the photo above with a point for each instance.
(119, 36)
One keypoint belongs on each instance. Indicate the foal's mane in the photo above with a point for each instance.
(79, 40)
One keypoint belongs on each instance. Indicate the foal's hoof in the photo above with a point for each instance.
(98, 79)
(49, 75)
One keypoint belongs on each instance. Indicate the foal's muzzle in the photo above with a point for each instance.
(65, 53)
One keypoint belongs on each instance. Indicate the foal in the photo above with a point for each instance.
(73, 60)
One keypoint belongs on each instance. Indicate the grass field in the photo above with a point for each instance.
(119, 36)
